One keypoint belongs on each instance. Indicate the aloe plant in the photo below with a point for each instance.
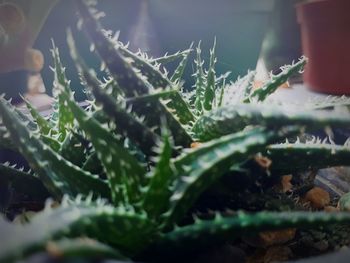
(121, 169)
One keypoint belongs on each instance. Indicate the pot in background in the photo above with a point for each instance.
(325, 31)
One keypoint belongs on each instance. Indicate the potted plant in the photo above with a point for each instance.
(152, 173)
(325, 41)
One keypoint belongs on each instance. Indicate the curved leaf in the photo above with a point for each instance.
(299, 156)
(124, 173)
(57, 174)
(156, 198)
(275, 82)
(208, 232)
(23, 182)
(230, 119)
(200, 168)
(114, 226)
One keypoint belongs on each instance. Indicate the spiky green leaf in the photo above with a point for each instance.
(272, 85)
(64, 118)
(123, 171)
(220, 95)
(23, 182)
(179, 71)
(119, 66)
(200, 81)
(74, 148)
(200, 168)
(209, 93)
(44, 125)
(176, 104)
(122, 229)
(93, 164)
(240, 90)
(46, 129)
(126, 123)
(314, 154)
(128, 78)
(151, 98)
(5, 140)
(207, 232)
(230, 119)
(170, 58)
(58, 175)
(156, 198)
(52, 141)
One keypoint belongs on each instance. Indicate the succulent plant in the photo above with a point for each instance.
(120, 172)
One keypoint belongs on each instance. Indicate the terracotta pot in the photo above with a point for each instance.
(325, 29)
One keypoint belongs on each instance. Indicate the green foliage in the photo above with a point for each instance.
(74, 148)
(209, 93)
(344, 202)
(82, 247)
(130, 79)
(311, 154)
(170, 58)
(229, 119)
(223, 228)
(58, 175)
(202, 167)
(271, 86)
(128, 126)
(239, 91)
(120, 170)
(123, 171)
(23, 181)
(179, 71)
(5, 141)
(62, 118)
(44, 126)
(74, 219)
(200, 81)
(156, 199)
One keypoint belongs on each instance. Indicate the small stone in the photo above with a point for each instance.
(286, 184)
(195, 144)
(317, 197)
(53, 250)
(321, 245)
(264, 162)
(344, 202)
(344, 248)
(33, 60)
(278, 254)
(257, 84)
(331, 209)
(279, 237)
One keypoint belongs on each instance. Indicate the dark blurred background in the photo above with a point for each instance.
(159, 26)
(272, 32)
